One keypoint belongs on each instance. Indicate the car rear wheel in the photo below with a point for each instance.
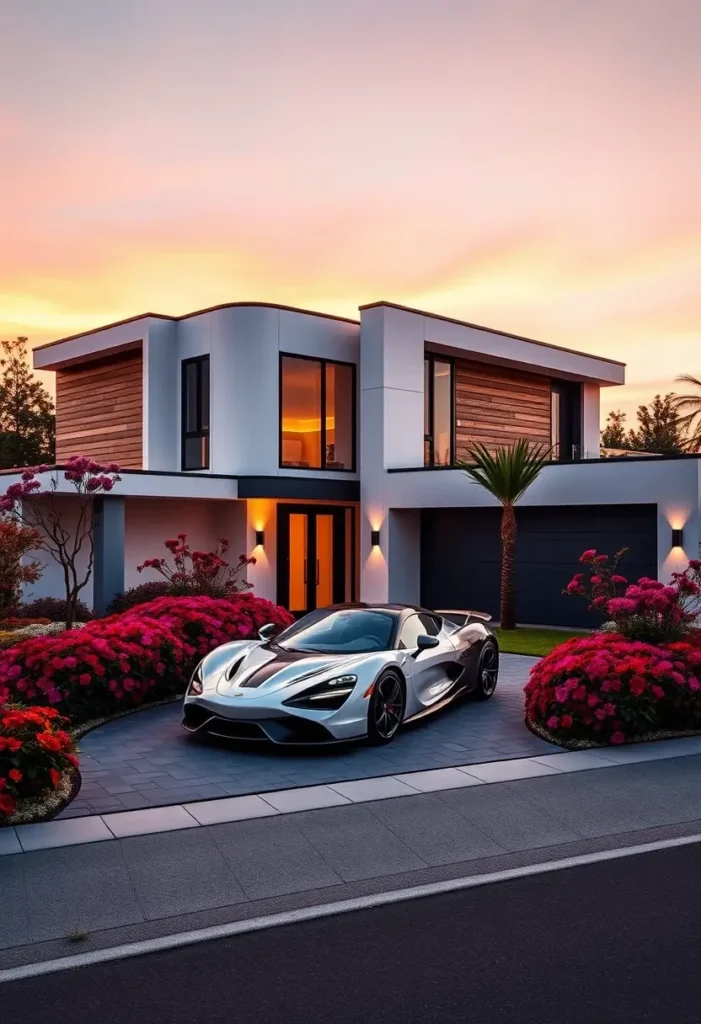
(386, 709)
(487, 672)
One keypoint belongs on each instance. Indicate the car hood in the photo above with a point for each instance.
(263, 668)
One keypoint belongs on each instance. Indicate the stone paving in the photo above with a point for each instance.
(147, 760)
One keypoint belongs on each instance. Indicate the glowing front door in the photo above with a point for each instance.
(314, 557)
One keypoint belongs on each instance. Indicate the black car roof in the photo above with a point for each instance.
(398, 608)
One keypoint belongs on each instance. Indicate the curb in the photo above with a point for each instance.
(23, 839)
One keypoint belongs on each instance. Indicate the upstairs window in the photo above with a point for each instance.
(317, 414)
(439, 445)
(566, 421)
(195, 413)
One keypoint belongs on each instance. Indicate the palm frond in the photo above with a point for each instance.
(507, 472)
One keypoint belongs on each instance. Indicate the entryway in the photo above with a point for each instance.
(315, 557)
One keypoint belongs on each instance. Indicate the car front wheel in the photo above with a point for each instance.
(386, 709)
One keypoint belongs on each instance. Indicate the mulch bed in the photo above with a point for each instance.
(47, 806)
(648, 737)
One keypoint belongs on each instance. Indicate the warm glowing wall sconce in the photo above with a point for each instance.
(375, 538)
(677, 538)
(260, 538)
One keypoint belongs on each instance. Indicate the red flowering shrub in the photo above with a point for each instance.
(200, 572)
(607, 688)
(143, 655)
(96, 670)
(35, 751)
(206, 622)
(647, 610)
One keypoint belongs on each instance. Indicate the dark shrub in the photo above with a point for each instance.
(138, 595)
(54, 609)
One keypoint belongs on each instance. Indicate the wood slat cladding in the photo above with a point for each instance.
(99, 410)
(497, 406)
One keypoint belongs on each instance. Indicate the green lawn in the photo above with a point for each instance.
(535, 642)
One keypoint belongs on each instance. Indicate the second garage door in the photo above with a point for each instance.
(460, 556)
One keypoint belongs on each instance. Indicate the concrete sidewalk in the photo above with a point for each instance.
(148, 884)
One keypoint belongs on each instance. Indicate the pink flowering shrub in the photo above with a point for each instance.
(647, 610)
(200, 572)
(607, 688)
(145, 654)
(94, 671)
(206, 622)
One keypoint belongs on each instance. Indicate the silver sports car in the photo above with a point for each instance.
(342, 673)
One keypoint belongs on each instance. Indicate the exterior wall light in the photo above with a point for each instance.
(260, 538)
(677, 538)
(375, 538)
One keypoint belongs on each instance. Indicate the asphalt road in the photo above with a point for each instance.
(615, 942)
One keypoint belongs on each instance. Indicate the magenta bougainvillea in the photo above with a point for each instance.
(142, 655)
(646, 610)
(200, 572)
(609, 689)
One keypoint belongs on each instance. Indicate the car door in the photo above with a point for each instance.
(431, 672)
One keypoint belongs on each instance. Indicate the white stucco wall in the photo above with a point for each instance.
(673, 485)
(244, 344)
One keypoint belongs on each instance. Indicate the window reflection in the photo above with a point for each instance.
(301, 413)
(317, 414)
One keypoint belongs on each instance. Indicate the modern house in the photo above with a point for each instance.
(326, 447)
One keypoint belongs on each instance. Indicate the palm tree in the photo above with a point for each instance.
(507, 473)
(689, 408)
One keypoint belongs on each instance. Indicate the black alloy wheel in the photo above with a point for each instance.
(386, 709)
(487, 672)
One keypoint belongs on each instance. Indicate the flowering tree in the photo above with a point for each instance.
(15, 541)
(69, 541)
(200, 572)
(648, 610)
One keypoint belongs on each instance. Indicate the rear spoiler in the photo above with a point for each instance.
(461, 618)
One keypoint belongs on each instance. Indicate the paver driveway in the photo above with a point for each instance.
(146, 759)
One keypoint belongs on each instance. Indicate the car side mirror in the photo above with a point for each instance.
(425, 643)
(268, 631)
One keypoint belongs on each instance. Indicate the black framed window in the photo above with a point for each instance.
(317, 413)
(195, 413)
(439, 411)
(566, 421)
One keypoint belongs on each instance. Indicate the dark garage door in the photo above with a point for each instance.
(460, 556)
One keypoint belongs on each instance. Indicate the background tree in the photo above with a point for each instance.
(65, 527)
(507, 474)
(660, 428)
(688, 407)
(27, 419)
(614, 433)
(16, 569)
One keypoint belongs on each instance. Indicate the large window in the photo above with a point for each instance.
(195, 413)
(317, 413)
(438, 411)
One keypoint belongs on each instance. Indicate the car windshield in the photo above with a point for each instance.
(346, 631)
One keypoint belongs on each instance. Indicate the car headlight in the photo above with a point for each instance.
(326, 696)
(343, 681)
(195, 686)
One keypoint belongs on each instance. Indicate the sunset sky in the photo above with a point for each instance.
(531, 165)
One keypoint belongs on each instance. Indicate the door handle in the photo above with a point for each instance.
(317, 572)
(305, 570)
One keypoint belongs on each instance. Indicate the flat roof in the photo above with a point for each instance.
(489, 330)
(197, 312)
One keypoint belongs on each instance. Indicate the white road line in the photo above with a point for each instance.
(222, 931)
